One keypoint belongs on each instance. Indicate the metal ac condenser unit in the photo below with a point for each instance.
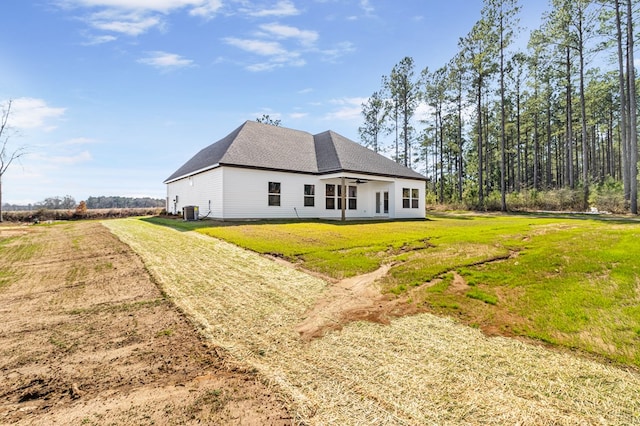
(190, 213)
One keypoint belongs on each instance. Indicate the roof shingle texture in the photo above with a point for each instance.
(262, 146)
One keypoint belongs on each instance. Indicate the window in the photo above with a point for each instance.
(330, 195)
(352, 197)
(309, 195)
(333, 197)
(410, 198)
(414, 198)
(406, 198)
(274, 193)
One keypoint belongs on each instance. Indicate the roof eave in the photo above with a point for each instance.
(195, 172)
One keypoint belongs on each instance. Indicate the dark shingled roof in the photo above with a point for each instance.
(262, 146)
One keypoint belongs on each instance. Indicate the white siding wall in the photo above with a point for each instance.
(203, 190)
(404, 213)
(245, 195)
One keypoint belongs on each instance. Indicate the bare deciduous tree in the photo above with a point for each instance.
(7, 156)
(265, 119)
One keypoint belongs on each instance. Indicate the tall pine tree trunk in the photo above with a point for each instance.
(633, 124)
(583, 119)
(503, 151)
(480, 147)
(569, 133)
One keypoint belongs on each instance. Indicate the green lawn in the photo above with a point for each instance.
(569, 281)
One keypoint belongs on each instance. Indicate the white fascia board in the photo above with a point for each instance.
(195, 172)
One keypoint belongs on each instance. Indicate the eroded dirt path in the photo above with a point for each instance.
(86, 337)
(354, 299)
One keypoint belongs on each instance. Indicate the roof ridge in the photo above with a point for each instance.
(327, 157)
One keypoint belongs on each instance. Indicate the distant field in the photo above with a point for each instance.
(570, 281)
(417, 369)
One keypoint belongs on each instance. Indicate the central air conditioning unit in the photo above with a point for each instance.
(190, 213)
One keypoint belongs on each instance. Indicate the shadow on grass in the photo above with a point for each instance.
(184, 226)
(600, 217)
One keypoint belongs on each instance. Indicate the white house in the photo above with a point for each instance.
(261, 171)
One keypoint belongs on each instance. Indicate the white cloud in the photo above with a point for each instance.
(277, 55)
(165, 61)
(260, 47)
(162, 6)
(94, 40)
(305, 37)
(349, 109)
(263, 66)
(28, 113)
(282, 8)
(131, 24)
(366, 7)
(136, 17)
(43, 161)
(207, 10)
(423, 112)
(70, 160)
(348, 101)
(341, 49)
(298, 115)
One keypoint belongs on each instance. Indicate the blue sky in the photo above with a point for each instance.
(111, 96)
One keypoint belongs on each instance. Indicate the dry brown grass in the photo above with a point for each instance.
(420, 369)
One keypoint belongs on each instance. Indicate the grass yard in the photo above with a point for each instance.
(568, 281)
(419, 369)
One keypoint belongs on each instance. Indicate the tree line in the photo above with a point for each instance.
(102, 202)
(558, 114)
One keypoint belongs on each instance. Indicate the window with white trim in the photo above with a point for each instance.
(333, 197)
(309, 195)
(330, 196)
(274, 193)
(414, 198)
(352, 197)
(410, 198)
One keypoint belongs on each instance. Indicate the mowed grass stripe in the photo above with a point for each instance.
(418, 370)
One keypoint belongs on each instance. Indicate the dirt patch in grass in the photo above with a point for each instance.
(88, 338)
(353, 299)
(458, 284)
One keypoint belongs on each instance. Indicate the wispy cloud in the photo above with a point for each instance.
(347, 109)
(129, 23)
(51, 160)
(305, 37)
(260, 47)
(136, 17)
(94, 40)
(207, 10)
(277, 55)
(270, 41)
(82, 157)
(29, 113)
(282, 8)
(165, 61)
(365, 5)
(339, 50)
(367, 9)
